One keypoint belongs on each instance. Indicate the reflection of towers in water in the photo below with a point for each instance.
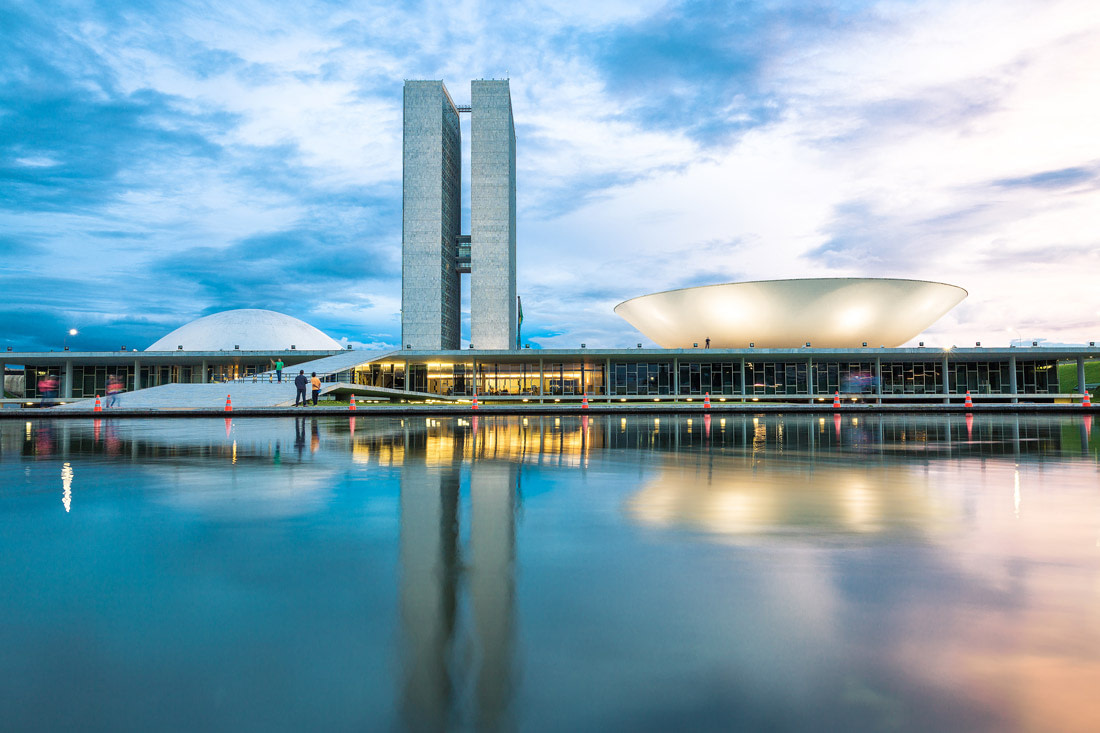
(435, 574)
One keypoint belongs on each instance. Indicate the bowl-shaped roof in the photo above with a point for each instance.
(251, 329)
(775, 314)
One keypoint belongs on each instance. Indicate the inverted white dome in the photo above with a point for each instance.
(251, 329)
(841, 312)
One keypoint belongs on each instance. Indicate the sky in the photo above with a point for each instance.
(161, 161)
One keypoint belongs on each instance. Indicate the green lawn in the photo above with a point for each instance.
(1067, 375)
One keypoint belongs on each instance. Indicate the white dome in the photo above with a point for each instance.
(833, 313)
(249, 328)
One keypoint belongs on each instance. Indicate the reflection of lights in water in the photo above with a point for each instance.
(1016, 490)
(28, 431)
(67, 485)
(234, 452)
(860, 508)
(758, 500)
(759, 436)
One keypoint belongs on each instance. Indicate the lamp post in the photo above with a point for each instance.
(64, 341)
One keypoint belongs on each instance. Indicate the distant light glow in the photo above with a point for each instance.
(67, 486)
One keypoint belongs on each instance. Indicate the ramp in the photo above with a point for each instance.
(189, 396)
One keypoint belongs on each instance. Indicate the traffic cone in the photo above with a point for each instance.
(1086, 402)
(98, 407)
(969, 402)
(706, 401)
(584, 401)
(228, 404)
(352, 405)
(475, 400)
(836, 399)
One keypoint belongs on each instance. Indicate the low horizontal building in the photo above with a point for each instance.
(904, 374)
(82, 374)
(544, 375)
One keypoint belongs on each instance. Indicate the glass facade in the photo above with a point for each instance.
(775, 377)
(716, 377)
(912, 377)
(508, 379)
(1037, 377)
(572, 378)
(849, 377)
(980, 378)
(641, 378)
(389, 375)
(695, 378)
(619, 378)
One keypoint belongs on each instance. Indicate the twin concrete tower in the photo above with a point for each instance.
(434, 251)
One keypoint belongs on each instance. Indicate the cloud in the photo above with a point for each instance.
(660, 145)
(1053, 180)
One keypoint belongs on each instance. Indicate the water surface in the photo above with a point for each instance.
(772, 573)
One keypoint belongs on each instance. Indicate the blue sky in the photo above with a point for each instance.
(160, 161)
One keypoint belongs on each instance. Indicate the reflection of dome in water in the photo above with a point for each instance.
(826, 500)
(251, 329)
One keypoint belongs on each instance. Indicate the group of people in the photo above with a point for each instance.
(300, 383)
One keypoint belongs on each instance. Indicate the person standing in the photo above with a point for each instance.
(300, 383)
(279, 370)
(315, 383)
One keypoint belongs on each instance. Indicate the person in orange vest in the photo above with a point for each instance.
(315, 383)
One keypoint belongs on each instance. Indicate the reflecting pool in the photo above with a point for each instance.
(560, 573)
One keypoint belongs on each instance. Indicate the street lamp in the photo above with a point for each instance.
(64, 341)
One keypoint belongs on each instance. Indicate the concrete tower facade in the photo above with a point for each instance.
(492, 217)
(434, 253)
(431, 218)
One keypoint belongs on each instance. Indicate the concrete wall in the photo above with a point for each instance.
(492, 217)
(431, 218)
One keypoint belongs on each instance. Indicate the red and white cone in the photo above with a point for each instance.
(98, 407)
(1086, 402)
(836, 399)
(352, 405)
(475, 407)
(969, 402)
(228, 404)
(706, 401)
(584, 401)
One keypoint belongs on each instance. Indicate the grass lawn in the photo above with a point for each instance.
(1067, 375)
